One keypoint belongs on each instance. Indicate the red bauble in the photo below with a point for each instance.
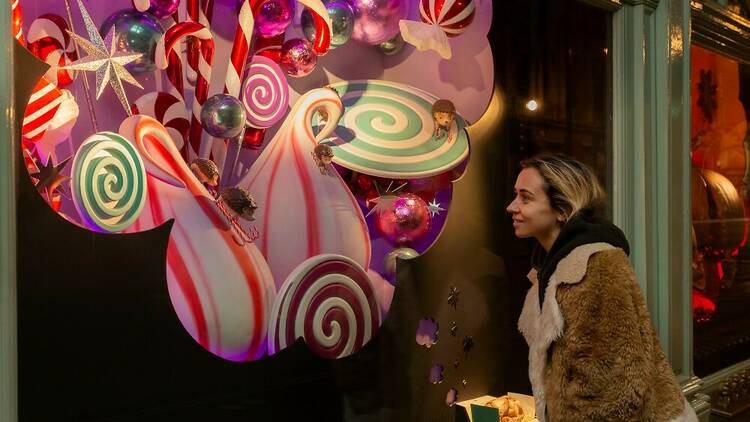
(253, 138)
(406, 221)
(446, 19)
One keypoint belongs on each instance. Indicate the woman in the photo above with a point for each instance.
(593, 353)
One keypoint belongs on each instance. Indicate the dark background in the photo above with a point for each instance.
(99, 341)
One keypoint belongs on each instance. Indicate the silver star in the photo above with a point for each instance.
(434, 207)
(108, 63)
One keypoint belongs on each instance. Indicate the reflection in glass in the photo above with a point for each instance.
(721, 272)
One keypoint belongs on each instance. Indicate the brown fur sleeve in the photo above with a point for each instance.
(598, 369)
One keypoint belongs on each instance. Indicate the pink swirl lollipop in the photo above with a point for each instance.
(265, 93)
(330, 302)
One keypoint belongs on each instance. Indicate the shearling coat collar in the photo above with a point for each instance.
(542, 327)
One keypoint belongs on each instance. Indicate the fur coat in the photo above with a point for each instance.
(593, 352)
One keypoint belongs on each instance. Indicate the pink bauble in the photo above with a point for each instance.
(406, 221)
(298, 58)
(376, 21)
(274, 17)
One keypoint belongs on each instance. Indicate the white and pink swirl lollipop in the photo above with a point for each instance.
(265, 92)
(330, 302)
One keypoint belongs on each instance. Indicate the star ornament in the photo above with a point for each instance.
(104, 59)
(434, 208)
(48, 177)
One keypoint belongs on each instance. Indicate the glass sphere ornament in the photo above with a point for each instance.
(223, 116)
(136, 33)
(389, 262)
(392, 46)
(274, 17)
(298, 58)
(376, 21)
(163, 8)
(406, 221)
(342, 22)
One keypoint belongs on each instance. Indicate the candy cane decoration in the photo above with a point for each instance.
(240, 49)
(167, 57)
(202, 15)
(17, 21)
(322, 22)
(169, 111)
(48, 39)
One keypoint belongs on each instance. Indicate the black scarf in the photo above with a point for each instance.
(581, 229)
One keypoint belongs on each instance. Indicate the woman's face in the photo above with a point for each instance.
(532, 213)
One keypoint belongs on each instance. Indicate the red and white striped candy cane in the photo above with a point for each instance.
(322, 23)
(48, 39)
(167, 57)
(169, 110)
(17, 20)
(203, 15)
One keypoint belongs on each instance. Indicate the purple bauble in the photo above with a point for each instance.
(274, 17)
(298, 58)
(163, 8)
(376, 21)
(135, 33)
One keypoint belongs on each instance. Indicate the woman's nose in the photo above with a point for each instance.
(511, 208)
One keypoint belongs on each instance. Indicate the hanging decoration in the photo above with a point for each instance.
(103, 59)
(440, 20)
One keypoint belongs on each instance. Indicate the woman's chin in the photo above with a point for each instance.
(520, 233)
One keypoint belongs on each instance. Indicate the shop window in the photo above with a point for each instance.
(720, 90)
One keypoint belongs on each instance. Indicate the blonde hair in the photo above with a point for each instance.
(570, 185)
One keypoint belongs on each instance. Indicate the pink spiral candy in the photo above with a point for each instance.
(265, 92)
(169, 111)
(48, 39)
(330, 302)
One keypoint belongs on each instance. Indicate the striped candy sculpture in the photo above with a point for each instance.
(221, 291)
(298, 202)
